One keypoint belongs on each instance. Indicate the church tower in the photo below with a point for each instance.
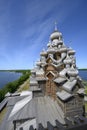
(57, 76)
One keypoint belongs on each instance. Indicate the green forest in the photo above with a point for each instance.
(13, 86)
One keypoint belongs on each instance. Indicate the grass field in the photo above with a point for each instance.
(24, 86)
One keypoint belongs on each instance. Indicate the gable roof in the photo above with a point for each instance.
(69, 85)
(43, 109)
(63, 95)
(50, 72)
(59, 80)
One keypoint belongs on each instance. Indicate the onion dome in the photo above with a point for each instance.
(73, 61)
(63, 49)
(72, 72)
(71, 51)
(43, 53)
(51, 50)
(59, 46)
(55, 42)
(38, 63)
(49, 44)
(67, 60)
(56, 34)
(79, 78)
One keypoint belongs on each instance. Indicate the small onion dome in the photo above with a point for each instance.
(55, 35)
(63, 49)
(72, 72)
(67, 60)
(49, 44)
(57, 42)
(43, 53)
(71, 52)
(79, 78)
(38, 63)
(60, 41)
(51, 50)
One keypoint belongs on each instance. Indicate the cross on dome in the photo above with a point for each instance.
(55, 26)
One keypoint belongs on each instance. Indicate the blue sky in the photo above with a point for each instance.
(25, 27)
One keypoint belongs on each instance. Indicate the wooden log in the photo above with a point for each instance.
(31, 128)
(50, 126)
(21, 128)
(68, 122)
(41, 127)
(59, 125)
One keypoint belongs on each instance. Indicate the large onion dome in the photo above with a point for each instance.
(56, 35)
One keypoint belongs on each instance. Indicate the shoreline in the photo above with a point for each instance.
(14, 85)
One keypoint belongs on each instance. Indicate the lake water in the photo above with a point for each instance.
(83, 74)
(6, 77)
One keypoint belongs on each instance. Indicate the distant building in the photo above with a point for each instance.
(56, 97)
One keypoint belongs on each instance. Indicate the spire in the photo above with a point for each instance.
(70, 43)
(55, 26)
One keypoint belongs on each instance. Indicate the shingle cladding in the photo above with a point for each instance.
(42, 109)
